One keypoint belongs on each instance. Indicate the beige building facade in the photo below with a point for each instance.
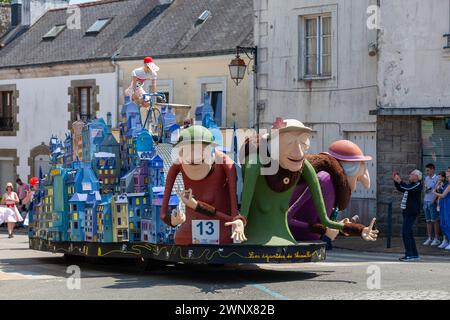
(187, 79)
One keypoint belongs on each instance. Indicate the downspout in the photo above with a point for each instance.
(117, 70)
(255, 116)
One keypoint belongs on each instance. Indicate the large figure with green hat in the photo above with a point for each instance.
(209, 178)
(268, 185)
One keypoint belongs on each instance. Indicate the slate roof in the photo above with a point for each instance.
(138, 28)
(74, 44)
(175, 32)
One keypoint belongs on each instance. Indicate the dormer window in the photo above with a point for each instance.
(54, 32)
(98, 26)
(203, 17)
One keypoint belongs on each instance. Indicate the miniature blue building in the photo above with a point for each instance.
(68, 151)
(130, 125)
(156, 172)
(137, 202)
(101, 190)
(104, 220)
(59, 225)
(93, 133)
(154, 230)
(77, 213)
(90, 221)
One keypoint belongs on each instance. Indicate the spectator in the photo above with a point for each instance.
(444, 203)
(429, 207)
(11, 200)
(31, 195)
(22, 189)
(412, 193)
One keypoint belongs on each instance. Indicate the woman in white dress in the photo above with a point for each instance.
(11, 215)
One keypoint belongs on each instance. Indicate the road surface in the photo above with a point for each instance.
(27, 274)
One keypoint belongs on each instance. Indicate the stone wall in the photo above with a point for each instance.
(398, 149)
(5, 18)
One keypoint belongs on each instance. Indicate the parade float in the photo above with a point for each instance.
(105, 198)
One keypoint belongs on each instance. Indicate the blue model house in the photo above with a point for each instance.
(137, 202)
(104, 220)
(129, 127)
(59, 225)
(154, 230)
(93, 133)
(90, 221)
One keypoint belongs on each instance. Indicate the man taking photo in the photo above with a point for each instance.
(411, 202)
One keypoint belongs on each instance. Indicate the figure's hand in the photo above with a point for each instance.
(368, 233)
(332, 233)
(187, 198)
(178, 217)
(237, 229)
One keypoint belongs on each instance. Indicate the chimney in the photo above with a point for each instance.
(16, 13)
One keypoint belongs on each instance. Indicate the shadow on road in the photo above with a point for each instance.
(127, 275)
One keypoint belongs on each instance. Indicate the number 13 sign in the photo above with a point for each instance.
(205, 231)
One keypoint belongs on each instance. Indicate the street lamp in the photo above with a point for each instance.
(237, 65)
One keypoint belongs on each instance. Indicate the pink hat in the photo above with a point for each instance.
(346, 150)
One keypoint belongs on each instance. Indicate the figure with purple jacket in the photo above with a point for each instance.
(339, 170)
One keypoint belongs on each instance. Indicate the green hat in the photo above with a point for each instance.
(196, 134)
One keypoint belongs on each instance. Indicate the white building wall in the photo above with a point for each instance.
(414, 69)
(332, 106)
(43, 111)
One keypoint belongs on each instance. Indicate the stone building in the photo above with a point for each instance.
(413, 113)
(314, 65)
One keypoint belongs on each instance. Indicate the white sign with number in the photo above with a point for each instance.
(205, 231)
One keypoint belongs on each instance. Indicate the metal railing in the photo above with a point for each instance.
(6, 124)
(389, 224)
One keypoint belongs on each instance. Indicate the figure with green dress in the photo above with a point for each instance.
(266, 192)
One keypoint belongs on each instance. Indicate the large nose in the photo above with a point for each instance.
(365, 179)
(297, 152)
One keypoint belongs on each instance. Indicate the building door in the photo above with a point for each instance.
(6, 173)
(368, 144)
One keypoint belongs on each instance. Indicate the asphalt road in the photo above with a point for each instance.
(27, 274)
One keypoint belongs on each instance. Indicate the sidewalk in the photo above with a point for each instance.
(349, 243)
(4, 230)
(357, 244)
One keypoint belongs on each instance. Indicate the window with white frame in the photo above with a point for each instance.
(318, 46)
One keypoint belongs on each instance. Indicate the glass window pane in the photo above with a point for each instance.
(98, 25)
(54, 32)
(83, 101)
(326, 26)
(311, 65)
(311, 27)
(311, 46)
(326, 45)
(326, 65)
